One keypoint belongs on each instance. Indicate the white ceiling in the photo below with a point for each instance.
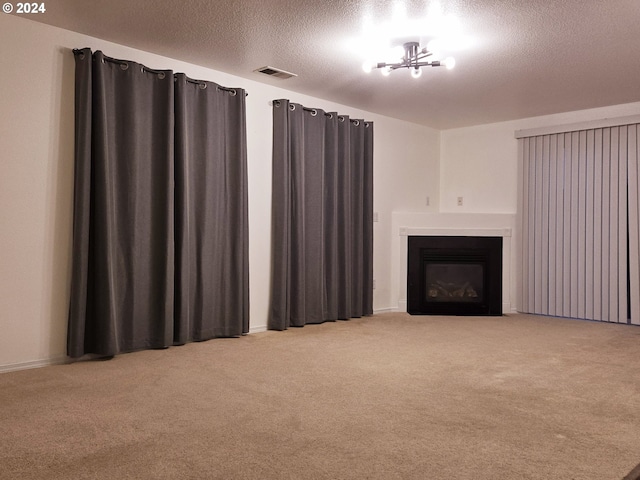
(530, 57)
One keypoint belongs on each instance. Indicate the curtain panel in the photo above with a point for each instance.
(212, 226)
(160, 209)
(322, 254)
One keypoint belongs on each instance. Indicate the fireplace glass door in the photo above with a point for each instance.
(454, 282)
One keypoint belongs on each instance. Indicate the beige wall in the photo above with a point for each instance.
(36, 182)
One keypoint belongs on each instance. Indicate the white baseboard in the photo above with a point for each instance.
(14, 367)
(257, 329)
(507, 308)
(384, 310)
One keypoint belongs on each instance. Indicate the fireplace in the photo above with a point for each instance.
(450, 275)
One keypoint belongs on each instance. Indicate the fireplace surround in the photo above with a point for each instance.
(454, 275)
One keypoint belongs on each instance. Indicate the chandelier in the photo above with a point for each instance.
(414, 59)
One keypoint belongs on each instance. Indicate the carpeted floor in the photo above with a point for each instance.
(391, 396)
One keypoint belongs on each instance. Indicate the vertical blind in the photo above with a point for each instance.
(579, 224)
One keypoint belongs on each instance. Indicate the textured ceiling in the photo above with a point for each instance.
(529, 58)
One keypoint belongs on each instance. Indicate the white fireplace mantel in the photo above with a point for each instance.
(463, 232)
(443, 224)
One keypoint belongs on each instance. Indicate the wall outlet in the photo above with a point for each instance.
(459, 201)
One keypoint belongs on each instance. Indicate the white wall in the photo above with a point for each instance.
(404, 174)
(36, 182)
(480, 163)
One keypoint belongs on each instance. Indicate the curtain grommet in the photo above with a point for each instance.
(314, 112)
(356, 123)
(124, 65)
(161, 75)
(202, 85)
(233, 92)
(292, 107)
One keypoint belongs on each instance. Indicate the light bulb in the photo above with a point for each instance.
(416, 72)
(449, 62)
(386, 71)
(367, 67)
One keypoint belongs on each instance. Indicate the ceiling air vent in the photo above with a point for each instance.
(275, 72)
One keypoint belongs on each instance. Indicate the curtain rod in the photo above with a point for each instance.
(203, 85)
(314, 112)
(124, 64)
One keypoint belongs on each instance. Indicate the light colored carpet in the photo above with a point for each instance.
(391, 396)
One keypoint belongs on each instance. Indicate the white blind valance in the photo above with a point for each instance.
(576, 127)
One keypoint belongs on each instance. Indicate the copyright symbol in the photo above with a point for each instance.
(7, 8)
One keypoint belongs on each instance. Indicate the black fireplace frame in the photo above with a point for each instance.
(454, 249)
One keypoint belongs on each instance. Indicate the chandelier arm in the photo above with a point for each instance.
(414, 58)
(424, 55)
(396, 66)
(392, 66)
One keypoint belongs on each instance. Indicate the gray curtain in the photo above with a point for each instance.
(133, 237)
(212, 291)
(322, 253)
